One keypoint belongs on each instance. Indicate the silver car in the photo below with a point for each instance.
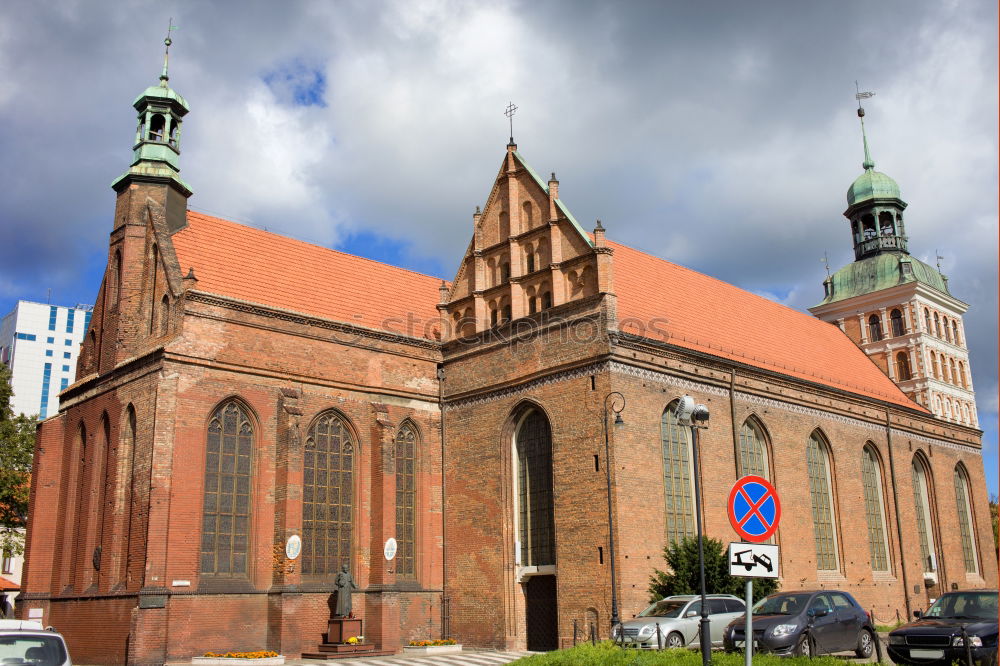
(26, 642)
(678, 618)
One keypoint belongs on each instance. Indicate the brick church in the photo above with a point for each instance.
(252, 412)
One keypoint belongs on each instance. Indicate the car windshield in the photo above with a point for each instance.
(32, 649)
(781, 604)
(664, 608)
(965, 605)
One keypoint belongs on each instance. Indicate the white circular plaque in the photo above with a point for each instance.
(293, 546)
(390, 548)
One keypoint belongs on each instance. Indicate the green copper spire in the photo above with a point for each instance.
(166, 54)
(868, 164)
(157, 147)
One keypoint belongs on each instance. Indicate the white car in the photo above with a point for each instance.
(27, 642)
(677, 618)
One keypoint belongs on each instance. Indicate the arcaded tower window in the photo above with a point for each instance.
(327, 496)
(902, 366)
(226, 518)
(896, 319)
(678, 489)
(874, 328)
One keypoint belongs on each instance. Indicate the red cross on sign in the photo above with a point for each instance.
(754, 508)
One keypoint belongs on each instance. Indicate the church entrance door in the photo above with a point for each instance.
(541, 618)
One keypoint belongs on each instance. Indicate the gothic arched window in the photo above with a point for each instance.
(896, 319)
(753, 449)
(963, 500)
(922, 507)
(406, 458)
(902, 366)
(327, 496)
(535, 519)
(821, 496)
(226, 515)
(871, 479)
(678, 488)
(875, 328)
(164, 314)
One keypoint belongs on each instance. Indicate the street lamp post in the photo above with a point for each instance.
(615, 398)
(688, 413)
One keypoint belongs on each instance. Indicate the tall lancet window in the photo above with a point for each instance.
(922, 508)
(821, 496)
(536, 523)
(963, 500)
(678, 475)
(327, 496)
(226, 519)
(406, 458)
(871, 480)
(753, 449)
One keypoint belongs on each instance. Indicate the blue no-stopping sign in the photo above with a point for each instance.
(754, 508)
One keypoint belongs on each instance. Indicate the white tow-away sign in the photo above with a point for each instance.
(753, 560)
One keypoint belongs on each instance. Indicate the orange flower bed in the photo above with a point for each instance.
(434, 643)
(259, 654)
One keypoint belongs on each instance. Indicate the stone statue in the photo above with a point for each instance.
(345, 585)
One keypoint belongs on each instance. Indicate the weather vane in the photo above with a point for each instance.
(939, 258)
(509, 112)
(858, 95)
(826, 263)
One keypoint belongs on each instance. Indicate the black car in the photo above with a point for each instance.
(936, 636)
(806, 623)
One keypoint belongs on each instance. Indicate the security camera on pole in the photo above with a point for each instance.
(690, 414)
(754, 511)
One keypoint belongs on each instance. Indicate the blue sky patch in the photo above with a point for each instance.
(297, 83)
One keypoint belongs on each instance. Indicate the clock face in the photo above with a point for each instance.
(293, 546)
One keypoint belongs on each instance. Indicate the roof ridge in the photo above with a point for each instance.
(715, 279)
(313, 245)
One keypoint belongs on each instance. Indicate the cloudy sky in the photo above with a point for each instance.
(720, 135)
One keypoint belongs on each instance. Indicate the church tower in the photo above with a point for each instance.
(896, 308)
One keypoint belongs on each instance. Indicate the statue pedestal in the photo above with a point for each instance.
(342, 628)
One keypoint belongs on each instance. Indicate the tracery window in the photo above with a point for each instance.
(896, 319)
(821, 496)
(753, 450)
(406, 457)
(226, 515)
(963, 501)
(875, 328)
(536, 523)
(922, 507)
(871, 479)
(678, 488)
(327, 495)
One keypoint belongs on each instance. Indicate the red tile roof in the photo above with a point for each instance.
(7, 585)
(656, 299)
(261, 267)
(661, 300)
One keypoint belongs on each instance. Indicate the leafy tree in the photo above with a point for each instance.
(17, 446)
(682, 576)
(993, 519)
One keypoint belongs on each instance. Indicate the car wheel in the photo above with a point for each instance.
(866, 644)
(803, 648)
(674, 640)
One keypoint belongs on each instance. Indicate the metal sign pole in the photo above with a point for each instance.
(748, 635)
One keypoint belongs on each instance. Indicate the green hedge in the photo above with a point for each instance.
(609, 654)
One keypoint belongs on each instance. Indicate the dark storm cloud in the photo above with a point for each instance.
(721, 135)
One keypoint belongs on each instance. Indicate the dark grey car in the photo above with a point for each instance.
(806, 623)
